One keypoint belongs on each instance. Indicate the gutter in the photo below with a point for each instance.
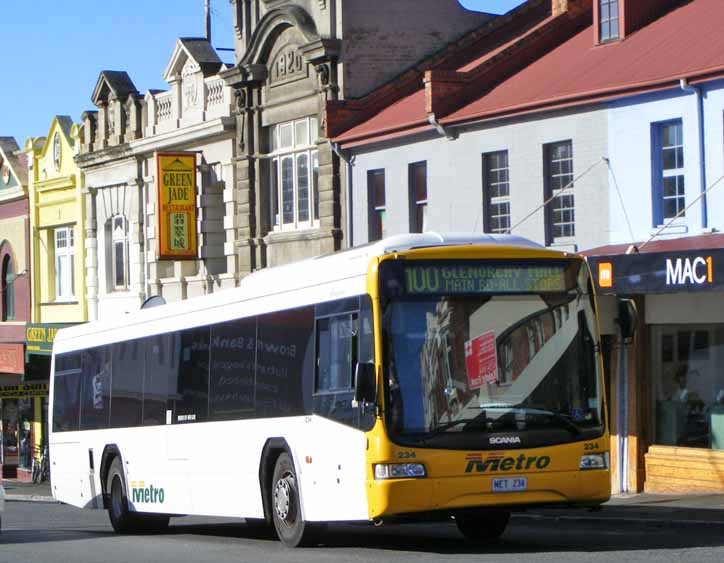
(696, 90)
(349, 161)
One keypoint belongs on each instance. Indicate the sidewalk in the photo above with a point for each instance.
(643, 509)
(18, 491)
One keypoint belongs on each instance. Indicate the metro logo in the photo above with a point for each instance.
(684, 271)
(148, 495)
(497, 462)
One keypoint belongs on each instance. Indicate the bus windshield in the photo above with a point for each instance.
(484, 355)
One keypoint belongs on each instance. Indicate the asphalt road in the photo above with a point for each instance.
(37, 532)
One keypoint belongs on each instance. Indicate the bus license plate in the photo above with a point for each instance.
(510, 484)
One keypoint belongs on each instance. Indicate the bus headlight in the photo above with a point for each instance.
(399, 470)
(594, 461)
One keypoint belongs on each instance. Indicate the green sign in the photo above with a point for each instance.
(456, 279)
(39, 337)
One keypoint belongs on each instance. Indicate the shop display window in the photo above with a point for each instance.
(688, 385)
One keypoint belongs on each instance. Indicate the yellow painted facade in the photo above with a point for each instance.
(57, 213)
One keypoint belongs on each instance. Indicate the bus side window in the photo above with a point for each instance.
(66, 404)
(190, 389)
(336, 353)
(282, 361)
(95, 388)
(233, 360)
(161, 364)
(128, 361)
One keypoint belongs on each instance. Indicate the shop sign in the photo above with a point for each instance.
(12, 359)
(177, 205)
(660, 272)
(39, 337)
(24, 391)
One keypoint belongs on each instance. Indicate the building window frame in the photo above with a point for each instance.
(294, 175)
(496, 192)
(560, 224)
(118, 238)
(668, 170)
(376, 204)
(608, 21)
(417, 190)
(64, 260)
(8, 288)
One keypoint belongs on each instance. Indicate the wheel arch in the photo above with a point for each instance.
(272, 449)
(110, 452)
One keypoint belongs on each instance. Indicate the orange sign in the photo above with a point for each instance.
(12, 359)
(177, 205)
(605, 274)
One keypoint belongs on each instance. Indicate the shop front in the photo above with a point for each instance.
(674, 400)
(12, 368)
(25, 404)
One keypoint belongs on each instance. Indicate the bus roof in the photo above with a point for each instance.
(344, 265)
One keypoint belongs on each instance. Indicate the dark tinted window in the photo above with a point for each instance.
(66, 401)
(95, 388)
(128, 361)
(161, 368)
(191, 393)
(233, 355)
(284, 361)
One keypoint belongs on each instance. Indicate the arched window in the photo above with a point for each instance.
(119, 251)
(8, 291)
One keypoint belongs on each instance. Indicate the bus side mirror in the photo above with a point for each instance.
(365, 390)
(628, 318)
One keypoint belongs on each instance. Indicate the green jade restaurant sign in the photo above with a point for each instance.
(39, 337)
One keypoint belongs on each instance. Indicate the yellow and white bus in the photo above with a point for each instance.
(422, 375)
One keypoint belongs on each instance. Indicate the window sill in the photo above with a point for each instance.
(59, 303)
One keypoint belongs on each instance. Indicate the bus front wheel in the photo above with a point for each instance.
(482, 525)
(291, 528)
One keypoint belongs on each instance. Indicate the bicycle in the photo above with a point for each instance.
(41, 466)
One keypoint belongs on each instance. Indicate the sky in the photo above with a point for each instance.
(54, 50)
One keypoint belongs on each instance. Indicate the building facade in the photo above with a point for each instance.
(624, 164)
(295, 59)
(57, 253)
(15, 402)
(121, 142)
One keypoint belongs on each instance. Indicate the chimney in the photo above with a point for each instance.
(571, 7)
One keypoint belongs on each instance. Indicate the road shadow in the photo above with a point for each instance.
(522, 537)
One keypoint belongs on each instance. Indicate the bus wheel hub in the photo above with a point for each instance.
(282, 498)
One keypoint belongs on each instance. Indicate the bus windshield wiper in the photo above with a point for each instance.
(535, 409)
(443, 427)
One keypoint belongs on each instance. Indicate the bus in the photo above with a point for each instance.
(421, 376)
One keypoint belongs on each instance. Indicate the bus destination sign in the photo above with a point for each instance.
(485, 278)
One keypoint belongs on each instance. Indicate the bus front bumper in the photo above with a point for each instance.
(404, 496)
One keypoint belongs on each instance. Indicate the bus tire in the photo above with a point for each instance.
(482, 525)
(286, 508)
(122, 519)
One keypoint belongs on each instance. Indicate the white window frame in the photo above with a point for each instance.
(64, 260)
(559, 183)
(497, 207)
(119, 238)
(306, 146)
(609, 25)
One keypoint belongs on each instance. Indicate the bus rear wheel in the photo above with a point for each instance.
(286, 508)
(122, 518)
(482, 525)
